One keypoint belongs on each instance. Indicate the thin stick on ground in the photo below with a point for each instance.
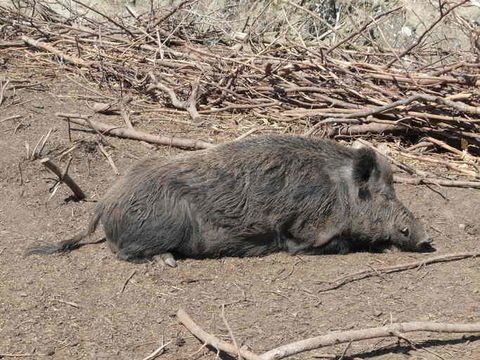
(137, 135)
(65, 178)
(127, 280)
(70, 303)
(7, 355)
(126, 117)
(439, 182)
(230, 332)
(364, 274)
(13, 117)
(157, 352)
(109, 158)
(37, 150)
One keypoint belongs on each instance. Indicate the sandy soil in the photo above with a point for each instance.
(79, 305)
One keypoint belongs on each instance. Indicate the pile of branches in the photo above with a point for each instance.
(425, 99)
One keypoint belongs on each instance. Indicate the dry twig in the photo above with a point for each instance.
(47, 47)
(109, 158)
(64, 177)
(158, 351)
(135, 134)
(436, 181)
(127, 280)
(189, 105)
(364, 274)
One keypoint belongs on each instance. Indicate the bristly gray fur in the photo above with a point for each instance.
(254, 197)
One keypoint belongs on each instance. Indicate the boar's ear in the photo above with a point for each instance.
(364, 166)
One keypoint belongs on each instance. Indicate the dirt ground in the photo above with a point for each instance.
(89, 305)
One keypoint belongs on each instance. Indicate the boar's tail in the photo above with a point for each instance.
(72, 243)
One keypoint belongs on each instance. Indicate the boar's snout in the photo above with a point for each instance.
(426, 246)
(409, 233)
(417, 239)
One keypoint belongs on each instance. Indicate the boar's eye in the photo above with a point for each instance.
(405, 232)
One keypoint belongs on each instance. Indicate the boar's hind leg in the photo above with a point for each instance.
(121, 254)
(168, 259)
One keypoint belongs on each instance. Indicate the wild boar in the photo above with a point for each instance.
(255, 197)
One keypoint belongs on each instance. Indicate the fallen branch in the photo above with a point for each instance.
(64, 177)
(364, 274)
(49, 48)
(462, 154)
(372, 128)
(365, 334)
(239, 107)
(434, 181)
(445, 163)
(334, 338)
(424, 97)
(135, 134)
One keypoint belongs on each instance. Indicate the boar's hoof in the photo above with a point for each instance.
(168, 259)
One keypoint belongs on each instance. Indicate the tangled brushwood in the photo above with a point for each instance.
(342, 82)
